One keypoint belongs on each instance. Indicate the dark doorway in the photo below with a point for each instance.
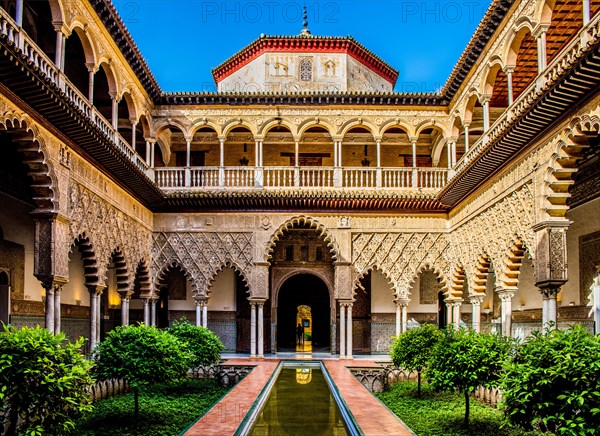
(303, 290)
(242, 316)
(4, 298)
(361, 318)
(442, 310)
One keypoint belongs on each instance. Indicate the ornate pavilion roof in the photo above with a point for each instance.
(306, 43)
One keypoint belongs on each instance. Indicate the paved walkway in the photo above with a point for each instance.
(372, 417)
(226, 416)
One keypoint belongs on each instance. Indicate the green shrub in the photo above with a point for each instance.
(165, 410)
(442, 413)
(142, 355)
(412, 349)
(202, 343)
(464, 360)
(42, 382)
(553, 383)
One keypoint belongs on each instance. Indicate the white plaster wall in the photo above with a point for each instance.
(278, 72)
(586, 220)
(382, 296)
(222, 293)
(249, 78)
(75, 289)
(188, 304)
(527, 296)
(362, 78)
(18, 227)
(415, 304)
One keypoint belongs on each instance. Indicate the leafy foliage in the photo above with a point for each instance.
(412, 349)
(464, 360)
(166, 410)
(553, 383)
(441, 413)
(204, 344)
(42, 382)
(142, 355)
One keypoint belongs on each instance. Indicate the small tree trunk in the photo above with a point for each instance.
(419, 383)
(467, 408)
(136, 412)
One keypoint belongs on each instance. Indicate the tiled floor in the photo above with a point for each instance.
(372, 417)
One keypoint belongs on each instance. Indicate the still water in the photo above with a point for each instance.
(300, 403)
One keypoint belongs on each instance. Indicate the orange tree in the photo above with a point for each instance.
(463, 360)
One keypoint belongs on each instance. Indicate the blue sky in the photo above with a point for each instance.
(182, 40)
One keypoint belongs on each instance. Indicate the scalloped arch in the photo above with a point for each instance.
(159, 281)
(33, 146)
(303, 220)
(370, 269)
(88, 257)
(227, 264)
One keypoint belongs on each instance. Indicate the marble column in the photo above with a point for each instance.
(467, 145)
(506, 310)
(508, 71)
(476, 301)
(153, 312)
(398, 318)
(404, 316)
(252, 329)
(57, 314)
(260, 331)
(205, 314)
(146, 302)
(342, 330)
(50, 308)
(198, 313)
(456, 314)
(349, 331)
(549, 307)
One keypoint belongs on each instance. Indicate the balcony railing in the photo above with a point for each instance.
(555, 68)
(350, 178)
(39, 60)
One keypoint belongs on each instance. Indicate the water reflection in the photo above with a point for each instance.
(303, 376)
(300, 403)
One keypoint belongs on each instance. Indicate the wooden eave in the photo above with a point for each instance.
(571, 89)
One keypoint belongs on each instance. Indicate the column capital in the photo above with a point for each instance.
(91, 67)
(402, 301)
(476, 300)
(550, 292)
(52, 283)
(508, 69)
(95, 289)
(150, 140)
(540, 29)
(467, 124)
(506, 293)
(485, 98)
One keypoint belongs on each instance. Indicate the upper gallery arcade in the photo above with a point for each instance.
(304, 171)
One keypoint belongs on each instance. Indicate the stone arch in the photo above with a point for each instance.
(489, 77)
(167, 123)
(358, 122)
(142, 274)
(228, 264)
(366, 271)
(205, 123)
(429, 266)
(521, 29)
(118, 259)
(89, 258)
(399, 123)
(274, 122)
(111, 77)
(131, 104)
(457, 282)
(88, 47)
(544, 11)
(472, 99)
(316, 122)
(483, 266)
(303, 220)
(229, 126)
(161, 277)
(36, 156)
(430, 124)
(569, 149)
(513, 260)
(276, 287)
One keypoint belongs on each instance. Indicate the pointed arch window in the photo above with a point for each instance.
(306, 70)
